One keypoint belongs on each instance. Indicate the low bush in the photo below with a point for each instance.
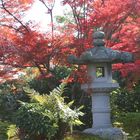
(10, 92)
(125, 105)
(131, 124)
(46, 116)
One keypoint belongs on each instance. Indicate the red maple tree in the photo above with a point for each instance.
(120, 20)
(23, 45)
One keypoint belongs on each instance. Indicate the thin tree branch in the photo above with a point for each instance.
(4, 7)
(11, 27)
(50, 11)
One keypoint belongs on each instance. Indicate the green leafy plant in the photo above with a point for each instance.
(9, 94)
(126, 110)
(46, 116)
(12, 132)
(46, 84)
(8, 131)
(131, 124)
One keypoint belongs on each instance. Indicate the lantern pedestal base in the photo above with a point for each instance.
(107, 133)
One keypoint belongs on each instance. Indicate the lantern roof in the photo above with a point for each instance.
(99, 53)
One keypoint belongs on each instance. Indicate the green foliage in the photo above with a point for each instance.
(34, 119)
(80, 98)
(46, 115)
(7, 131)
(81, 136)
(126, 110)
(66, 19)
(3, 130)
(61, 72)
(8, 101)
(75, 93)
(9, 94)
(123, 100)
(47, 84)
(131, 124)
(12, 132)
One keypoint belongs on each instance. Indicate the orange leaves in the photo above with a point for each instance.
(112, 13)
(13, 11)
(130, 71)
(68, 80)
(26, 1)
(8, 73)
(33, 47)
(119, 20)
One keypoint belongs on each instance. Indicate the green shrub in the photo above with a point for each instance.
(46, 116)
(74, 91)
(44, 85)
(8, 102)
(126, 110)
(131, 124)
(125, 101)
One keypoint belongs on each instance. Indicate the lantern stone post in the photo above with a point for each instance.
(99, 60)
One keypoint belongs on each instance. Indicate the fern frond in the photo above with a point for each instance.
(30, 91)
(39, 98)
(21, 102)
(70, 103)
(59, 90)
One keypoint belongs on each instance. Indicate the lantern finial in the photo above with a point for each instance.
(98, 39)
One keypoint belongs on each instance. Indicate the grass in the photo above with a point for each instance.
(81, 136)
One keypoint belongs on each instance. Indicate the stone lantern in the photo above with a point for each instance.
(99, 60)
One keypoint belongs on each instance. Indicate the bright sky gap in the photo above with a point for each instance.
(38, 13)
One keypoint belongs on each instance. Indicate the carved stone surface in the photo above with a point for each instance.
(101, 54)
(99, 35)
(100, 87)
(108, 133)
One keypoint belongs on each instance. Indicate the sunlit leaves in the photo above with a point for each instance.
(23, 45)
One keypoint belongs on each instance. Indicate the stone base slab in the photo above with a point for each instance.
(107, 133)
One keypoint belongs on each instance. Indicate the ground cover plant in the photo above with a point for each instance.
(46, 116)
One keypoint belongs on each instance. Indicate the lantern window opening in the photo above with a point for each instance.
(100, 72)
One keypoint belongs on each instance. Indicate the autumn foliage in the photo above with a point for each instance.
(23, 45)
